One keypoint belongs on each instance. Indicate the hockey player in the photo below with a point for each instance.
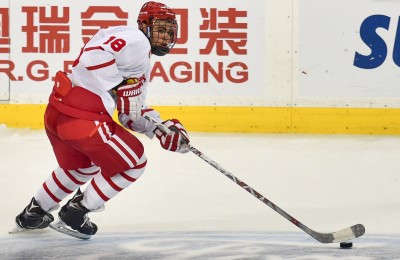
(112, 70)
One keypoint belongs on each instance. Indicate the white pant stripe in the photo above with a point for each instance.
(103, 137)
(115, 147)
(122, 154)
(108, 132)
(121, 142)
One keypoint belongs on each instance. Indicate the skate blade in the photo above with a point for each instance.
(61, 227)
(18, 229)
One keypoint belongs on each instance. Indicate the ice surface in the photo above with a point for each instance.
(182, 208)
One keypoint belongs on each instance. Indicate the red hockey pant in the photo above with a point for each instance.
(81, 143)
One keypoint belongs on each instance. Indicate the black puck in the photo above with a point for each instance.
(346, 245)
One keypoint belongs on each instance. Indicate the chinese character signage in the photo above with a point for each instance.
(217, 54)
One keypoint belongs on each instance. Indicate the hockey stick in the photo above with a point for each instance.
(334, 237)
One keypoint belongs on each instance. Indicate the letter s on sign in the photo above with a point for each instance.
(373, 41)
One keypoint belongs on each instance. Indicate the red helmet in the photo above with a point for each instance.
(154, 13)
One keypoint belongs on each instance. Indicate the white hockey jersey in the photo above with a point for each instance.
(112, 55)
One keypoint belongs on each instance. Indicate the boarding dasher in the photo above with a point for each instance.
(111, 71)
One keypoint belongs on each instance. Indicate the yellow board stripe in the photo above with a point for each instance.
(346, 120)
(247, 119)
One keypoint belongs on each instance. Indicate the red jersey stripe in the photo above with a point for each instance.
(94, 48)
(100, 66)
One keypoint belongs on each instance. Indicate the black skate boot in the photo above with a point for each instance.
(74, 214)
(34, 217)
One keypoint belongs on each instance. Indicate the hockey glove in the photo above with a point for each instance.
(176, 140)
(129, 98)
(141, 125)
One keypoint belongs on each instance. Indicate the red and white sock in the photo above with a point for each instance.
(102, 188)
(62, 183)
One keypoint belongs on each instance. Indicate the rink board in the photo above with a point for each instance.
(248, 119)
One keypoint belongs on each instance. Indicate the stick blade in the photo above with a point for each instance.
(343, 235)
(349, 233)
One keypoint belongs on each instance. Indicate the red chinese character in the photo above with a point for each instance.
(53, 30)
(183, 35)
(88, 21)
(218, 32)
(4, 31)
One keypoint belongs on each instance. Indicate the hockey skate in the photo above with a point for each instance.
(32, 217)
(73, 219)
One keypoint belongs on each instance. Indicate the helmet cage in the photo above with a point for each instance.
(156, 20)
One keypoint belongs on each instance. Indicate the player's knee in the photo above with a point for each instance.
(88, 171)
(132, 173)
(127, 177)
(80, 175)
(138, 169)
